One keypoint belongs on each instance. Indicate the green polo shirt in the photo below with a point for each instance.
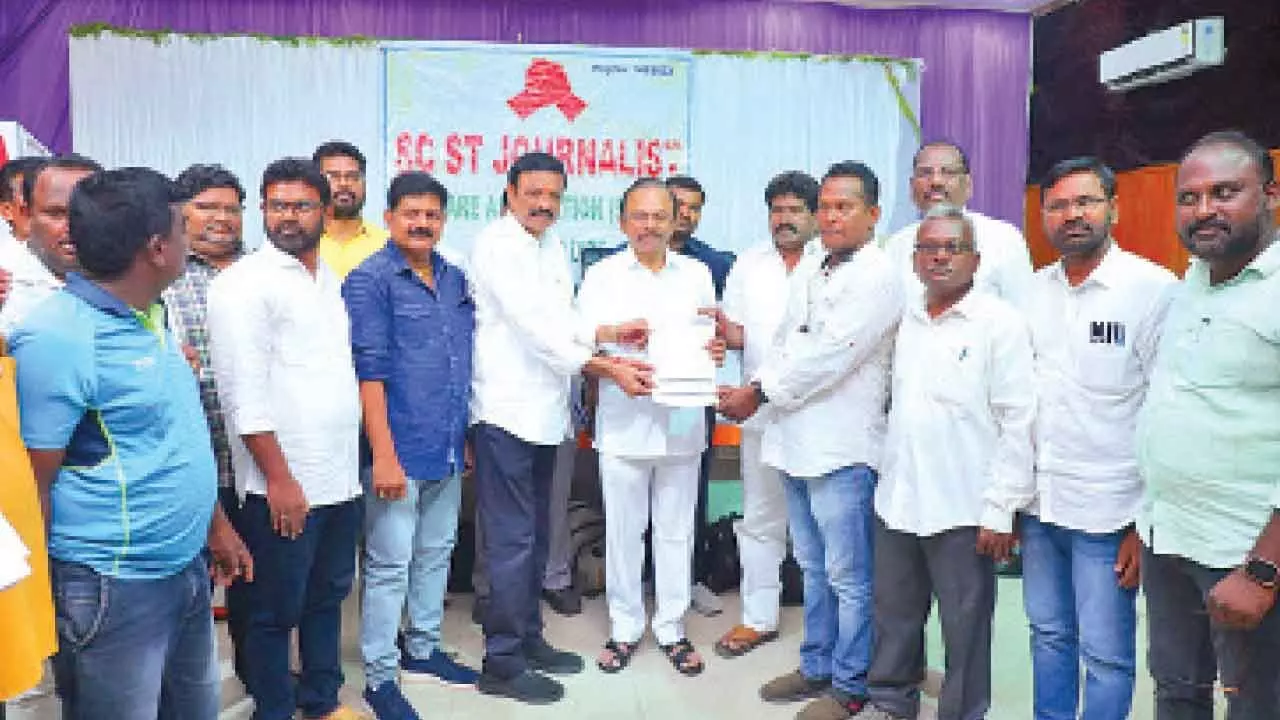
(1209, 433)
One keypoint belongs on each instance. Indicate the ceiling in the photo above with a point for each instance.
(1020, 6)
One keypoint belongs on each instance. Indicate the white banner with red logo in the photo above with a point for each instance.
(463, 112)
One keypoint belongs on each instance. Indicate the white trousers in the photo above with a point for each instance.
(631, 487)
(762, 537)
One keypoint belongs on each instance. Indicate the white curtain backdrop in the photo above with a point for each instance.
(243, 102)
(755, 117)
(237, 101)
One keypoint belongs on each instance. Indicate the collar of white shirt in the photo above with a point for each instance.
(1108, 273)
(964, 307)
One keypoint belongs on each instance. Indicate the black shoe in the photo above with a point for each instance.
(567, 601)
(478, 609)
(544, 658)
(527, 687)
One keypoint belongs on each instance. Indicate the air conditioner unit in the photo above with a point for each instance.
(1164, 55)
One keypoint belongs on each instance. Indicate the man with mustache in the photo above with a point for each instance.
(212, 216)
(347, 238)
(650, 453)
(825, 378)
(940, 175)
(280, 344)
(957, 467)
(529, 343)
(42, 270)
(412, 323)
(1096, 317)
(755, 299)
(1209, 445)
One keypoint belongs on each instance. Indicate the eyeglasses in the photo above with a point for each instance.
(213, 208)
(1084, 203)
(301, 207)
(948, 173)
(950, 248)
(352, 177)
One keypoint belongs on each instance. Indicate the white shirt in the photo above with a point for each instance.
(958, 450)
(280, 344)
(1095, 348)
(1005, 270)
(617, 289)
(755, 297)
(526, 346)
(827, 374)
(31, 283)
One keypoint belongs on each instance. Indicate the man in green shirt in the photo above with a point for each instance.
(1209, 445)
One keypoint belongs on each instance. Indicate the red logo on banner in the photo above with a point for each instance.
(4, 152)
(546, 83)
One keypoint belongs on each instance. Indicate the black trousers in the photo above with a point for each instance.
(236, 593)
(513, 500)
(1186, 652)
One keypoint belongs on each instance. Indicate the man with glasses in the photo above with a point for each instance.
(212, 218)
(280, 343)
(347, 240)
(1096, 318)
(957, 467)
(940, 174)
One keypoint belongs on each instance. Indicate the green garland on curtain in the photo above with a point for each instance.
(160, 37)
(892, 66)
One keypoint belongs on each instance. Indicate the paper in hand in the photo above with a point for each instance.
(684, 374)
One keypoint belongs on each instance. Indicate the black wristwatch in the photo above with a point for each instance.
(1263, 572)
(761, 398)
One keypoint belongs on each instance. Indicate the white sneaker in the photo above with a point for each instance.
(706, 602)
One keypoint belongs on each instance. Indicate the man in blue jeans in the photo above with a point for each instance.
(827, 380)
(412, 323)
(112, 417)
(1096, 319)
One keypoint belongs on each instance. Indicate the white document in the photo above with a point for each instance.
(13, 556)
(684, 374)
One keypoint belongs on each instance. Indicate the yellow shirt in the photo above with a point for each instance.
(343, 256)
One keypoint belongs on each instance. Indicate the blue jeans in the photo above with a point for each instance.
(135, 649)
(408, 543)
(832, 524)
(1078, 612)
(301, 584)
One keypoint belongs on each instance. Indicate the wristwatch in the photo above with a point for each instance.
(761, 398)
(1263, 572)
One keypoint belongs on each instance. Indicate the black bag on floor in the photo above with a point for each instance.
(723, 564)
(792, 580)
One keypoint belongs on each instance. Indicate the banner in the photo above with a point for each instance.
(464, 112)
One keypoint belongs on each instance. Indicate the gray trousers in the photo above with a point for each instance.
(1186, 652)
(910, 572)
(559, 572)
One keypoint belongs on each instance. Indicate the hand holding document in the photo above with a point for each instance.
(684, 372)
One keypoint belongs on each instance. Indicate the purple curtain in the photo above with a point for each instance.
(974, 89)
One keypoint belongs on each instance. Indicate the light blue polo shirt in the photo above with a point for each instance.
(136, 490)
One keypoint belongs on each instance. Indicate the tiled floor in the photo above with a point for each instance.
(650, 688)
